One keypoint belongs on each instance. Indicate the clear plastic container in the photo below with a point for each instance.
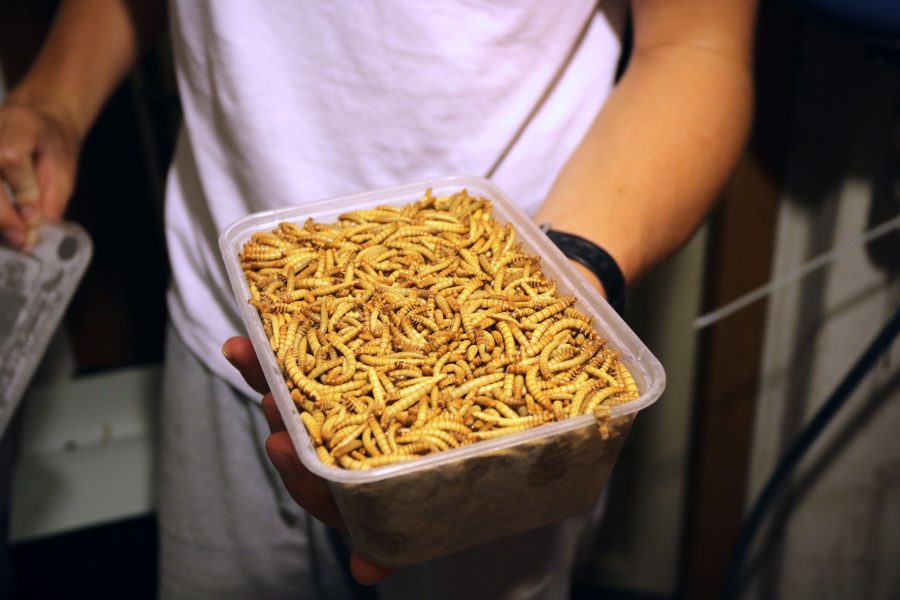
(35, 289)
(440, 503)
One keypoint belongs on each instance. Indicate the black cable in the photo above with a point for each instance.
(798, 449)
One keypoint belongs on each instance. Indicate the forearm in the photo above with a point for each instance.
(89, 48)
(657, 154)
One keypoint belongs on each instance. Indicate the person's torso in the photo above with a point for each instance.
(290, 102)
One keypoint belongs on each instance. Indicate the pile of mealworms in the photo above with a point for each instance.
(403, 331)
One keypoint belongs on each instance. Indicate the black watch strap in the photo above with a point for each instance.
(597, 260)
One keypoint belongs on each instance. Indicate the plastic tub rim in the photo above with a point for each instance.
(556, 265)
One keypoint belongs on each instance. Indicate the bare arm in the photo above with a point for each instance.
(90, 47)
(663, 145)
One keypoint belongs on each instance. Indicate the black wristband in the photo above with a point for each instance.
(597, 260)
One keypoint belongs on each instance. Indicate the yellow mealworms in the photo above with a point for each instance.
(599, 397)
(368, 441)
(407, 330)
(312, 426)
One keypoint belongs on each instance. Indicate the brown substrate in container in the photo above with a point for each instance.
(410, 518)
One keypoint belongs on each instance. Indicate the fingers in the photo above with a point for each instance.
(18, 144)
(239, 352)
(20, 213)
(17, 169)
(311, 492)
(307, 490)
(273, 417)
(38, 160)
(12, 227)
(366, 572)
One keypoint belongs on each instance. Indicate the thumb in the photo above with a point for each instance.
(12, 228)
(239, 352)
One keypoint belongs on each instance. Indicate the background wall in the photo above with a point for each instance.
(838, 533)
(640, 541)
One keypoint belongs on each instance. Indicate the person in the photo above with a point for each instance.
(286, 103)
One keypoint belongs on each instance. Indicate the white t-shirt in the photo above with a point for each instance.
(295, 101)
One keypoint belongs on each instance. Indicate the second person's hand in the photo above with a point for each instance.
(39, 149)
